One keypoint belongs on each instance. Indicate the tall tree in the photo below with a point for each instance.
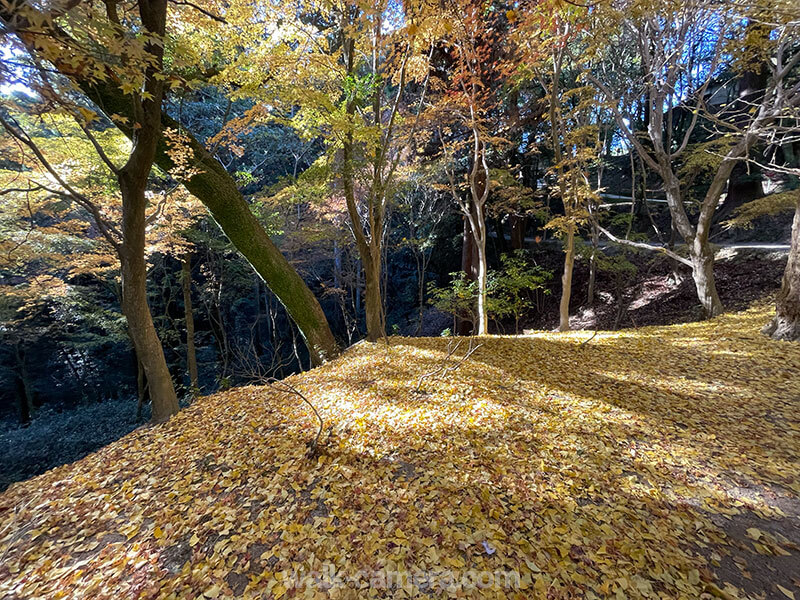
(138, 61)
(463, 119)
(43, 33)
(682, 49)
(132, 178)
(548, 38)
(343, 73)
(677, 70)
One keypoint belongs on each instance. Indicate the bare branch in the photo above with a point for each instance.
(288, 388)
(98, 148)
(443, 367)
(159, 209)
(643, 246)
(207, 13)
(106, 228)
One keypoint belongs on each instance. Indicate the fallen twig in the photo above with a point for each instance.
(584, 342)
(443, 368)
(16, 535)
(288, 388)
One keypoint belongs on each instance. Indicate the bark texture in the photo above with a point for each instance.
(702, 257)
(566, 280)
(213, 186)
(786, 323)
(133, 178)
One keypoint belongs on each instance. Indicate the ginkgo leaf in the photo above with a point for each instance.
(785, 592)
(524, 449)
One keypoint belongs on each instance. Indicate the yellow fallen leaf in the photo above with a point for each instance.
(787, 593)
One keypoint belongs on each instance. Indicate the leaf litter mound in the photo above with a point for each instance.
(653, 463)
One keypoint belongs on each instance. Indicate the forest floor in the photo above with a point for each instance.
(658, 462)
(743, 275)
(58, 436)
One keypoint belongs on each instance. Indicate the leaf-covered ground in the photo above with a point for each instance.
(658, 463)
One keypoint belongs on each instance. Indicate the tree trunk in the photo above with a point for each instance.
(419, 259)
(593, 264)
(500, 243)
(337, 265)
(566, 280)
(218, 329)
(22, 401)
(132, 179)
(357, 301)
(191, 357)
(134, 302)
(372, 299)
(23, 390)
(469, 264)
(473, 255)
(141, 388)
(518, 227)
(258, 341)
(480, 243)
(622, 304)
(786, 323)
(702, 257)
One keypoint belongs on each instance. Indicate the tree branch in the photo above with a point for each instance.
(207, 13)
(643, 246)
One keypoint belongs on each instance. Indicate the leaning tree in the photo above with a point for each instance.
(56, 47)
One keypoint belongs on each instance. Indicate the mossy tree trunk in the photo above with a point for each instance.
(213, 186)
(218, 191)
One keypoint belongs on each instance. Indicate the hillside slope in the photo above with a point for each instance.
(659, 462)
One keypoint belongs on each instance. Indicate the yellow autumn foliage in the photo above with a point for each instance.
(589, 468)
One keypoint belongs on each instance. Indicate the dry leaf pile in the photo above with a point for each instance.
(607, 469)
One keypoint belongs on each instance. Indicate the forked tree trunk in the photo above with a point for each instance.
(191, 356)
(786, 323)
(476, 234)
(701, 254)
(566, 280)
